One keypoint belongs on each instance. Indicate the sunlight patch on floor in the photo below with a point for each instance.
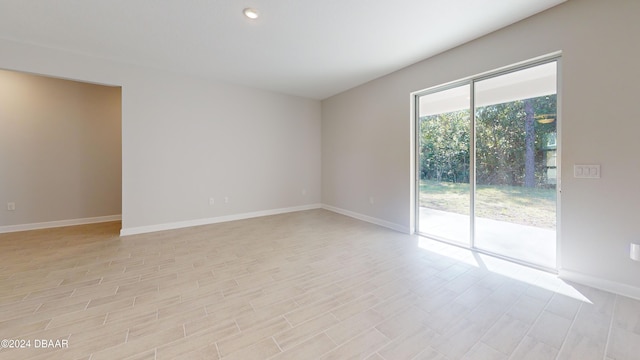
(531, 276)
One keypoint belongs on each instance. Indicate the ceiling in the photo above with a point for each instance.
(313, 49)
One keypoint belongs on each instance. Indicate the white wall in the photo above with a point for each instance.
(366, 131)
(60, 150)
(185, 140)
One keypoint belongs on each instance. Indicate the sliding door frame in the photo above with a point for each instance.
(416, 131)
(470, 81)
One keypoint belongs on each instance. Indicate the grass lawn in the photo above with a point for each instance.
(520, 205)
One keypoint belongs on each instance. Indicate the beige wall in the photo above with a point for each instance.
(366, 141)
(60, 149)
(186, 139)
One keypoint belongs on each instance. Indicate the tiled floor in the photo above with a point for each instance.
(306, 285)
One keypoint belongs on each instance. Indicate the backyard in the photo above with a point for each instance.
(514, 204)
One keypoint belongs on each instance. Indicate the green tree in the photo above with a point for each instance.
(445, 147)
(510, 144)
(529, 144)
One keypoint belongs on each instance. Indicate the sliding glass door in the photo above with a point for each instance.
(515, 207)
(487, 177)
(444, 137)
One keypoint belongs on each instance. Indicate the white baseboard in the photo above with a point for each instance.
(369, 219)
(599, 283)
(59, 223)
(215, 220)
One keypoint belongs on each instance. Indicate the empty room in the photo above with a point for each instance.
(319, 180)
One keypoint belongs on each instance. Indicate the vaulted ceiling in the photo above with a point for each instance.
(307, 48)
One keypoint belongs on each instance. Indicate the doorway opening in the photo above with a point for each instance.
(60, 152)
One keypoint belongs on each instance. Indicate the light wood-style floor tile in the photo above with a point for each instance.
(303, 285)
(312, 348)
(291, 337)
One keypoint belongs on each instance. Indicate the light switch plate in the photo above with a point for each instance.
(586, 171)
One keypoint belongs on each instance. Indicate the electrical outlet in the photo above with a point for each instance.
(11, 206)
(212, 201)
(304, 192)
(371, 200)
(226, 199)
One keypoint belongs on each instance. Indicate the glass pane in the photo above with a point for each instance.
(515, 200)
(444, 195)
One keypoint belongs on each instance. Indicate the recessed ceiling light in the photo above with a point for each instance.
(251, 13)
